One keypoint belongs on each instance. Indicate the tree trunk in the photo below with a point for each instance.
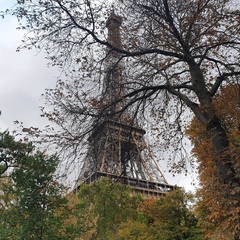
(227, 174)
(225, 167)
(219, 138)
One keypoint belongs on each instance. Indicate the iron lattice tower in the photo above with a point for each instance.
(116, 146)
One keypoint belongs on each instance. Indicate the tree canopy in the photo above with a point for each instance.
(12, 153)
(170, 217)
(32, 200)
(219, 216)
(108, 210)
(176, 55)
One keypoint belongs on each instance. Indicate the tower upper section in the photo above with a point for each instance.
(113, 25)
(113, 79)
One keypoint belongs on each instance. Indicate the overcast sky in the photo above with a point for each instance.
(24, 76)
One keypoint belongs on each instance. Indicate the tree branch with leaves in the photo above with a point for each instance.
(171, 50)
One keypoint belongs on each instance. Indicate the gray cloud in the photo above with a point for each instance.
(24, 76)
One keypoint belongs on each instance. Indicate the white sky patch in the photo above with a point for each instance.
(24, 76)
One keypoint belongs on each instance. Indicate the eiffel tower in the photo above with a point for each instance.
(117, 148)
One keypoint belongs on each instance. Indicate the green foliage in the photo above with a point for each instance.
(31, 199)
(11, 152)
(109, 211)
(136, 230)
(105, 205)
(8, 225)
(169, 217)
(39, 195)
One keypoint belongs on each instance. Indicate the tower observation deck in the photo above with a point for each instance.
(117, 148)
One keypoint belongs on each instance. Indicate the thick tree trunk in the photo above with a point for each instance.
(206, 114)
(225, 166)
(227, 174)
